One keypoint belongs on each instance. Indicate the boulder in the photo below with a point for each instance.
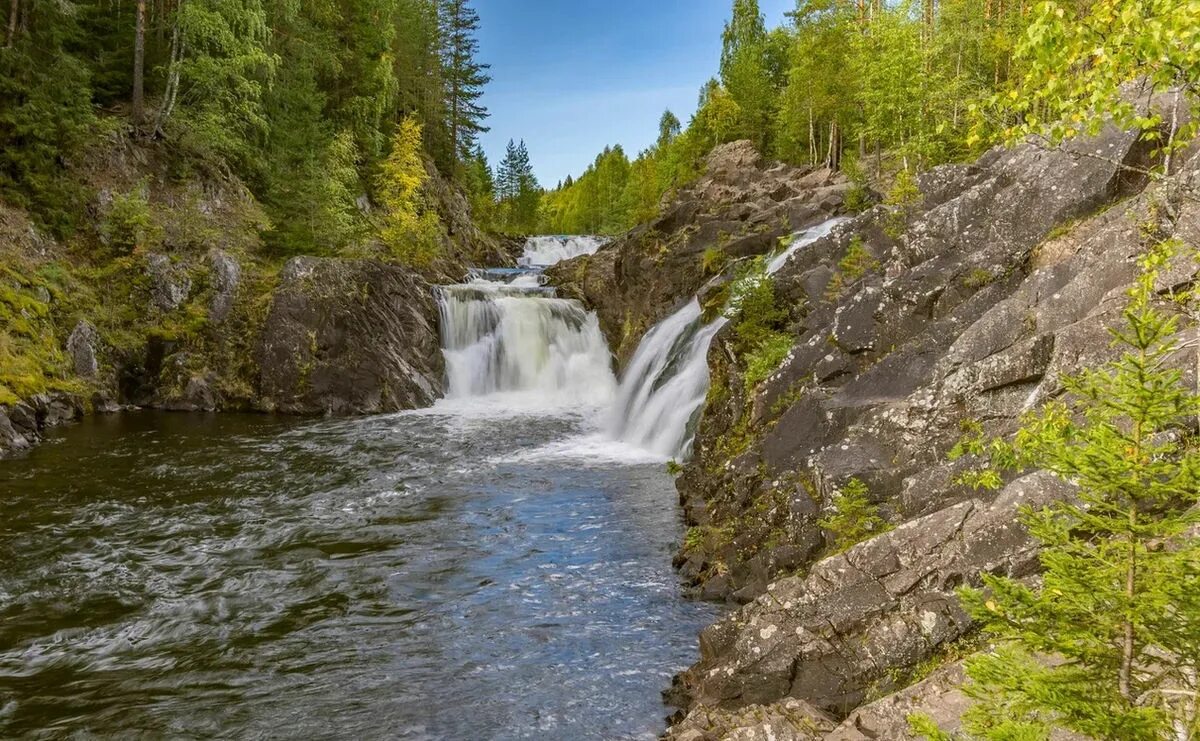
(226, 276)
(829, 637)
(82, 345)
(170, 284)
(349, 337)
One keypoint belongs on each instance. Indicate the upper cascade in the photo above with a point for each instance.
(505, 331)
(542, 252)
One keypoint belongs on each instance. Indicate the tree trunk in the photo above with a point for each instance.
(14, 10)
(139, 56)
(168, 104)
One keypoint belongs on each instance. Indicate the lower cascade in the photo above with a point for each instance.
(663, 390)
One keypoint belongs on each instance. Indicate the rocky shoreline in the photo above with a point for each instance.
(965, 308)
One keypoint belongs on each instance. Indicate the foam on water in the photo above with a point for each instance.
(546, 251)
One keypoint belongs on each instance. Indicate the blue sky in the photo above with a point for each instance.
(570, 76)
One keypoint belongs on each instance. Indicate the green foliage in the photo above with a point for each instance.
(856, 263)
(902, 198)
(853, 518)
(712, 260)
(978, 278)
(1081, 62)
(1107, 645)
(409, 229)
(129, 224)
(674, 468)
(765, 357)
(520, 196)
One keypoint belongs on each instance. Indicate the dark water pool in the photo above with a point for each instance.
(409, 576)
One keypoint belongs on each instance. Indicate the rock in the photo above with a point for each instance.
(226, 276)
(939, 697)
(24, 423)
(82, 345)
(887, 603)
(966, 316)
(741, 207)
(788, 720)
(349, 337)
(11, 440)
(104, 403)
(170, 284)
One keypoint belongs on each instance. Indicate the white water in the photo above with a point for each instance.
(513, 347)
(546, 251)
(665, 384)
(801, 240)
(519, 345)
(663, 389)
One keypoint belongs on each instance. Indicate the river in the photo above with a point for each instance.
(496, 567)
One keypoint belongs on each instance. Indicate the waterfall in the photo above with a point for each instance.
(546, 251)
(662, 392)
(502, 337)
(665, 384)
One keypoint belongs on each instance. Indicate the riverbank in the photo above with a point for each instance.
(167, 296)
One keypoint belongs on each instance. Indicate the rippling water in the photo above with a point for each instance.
(411, 576)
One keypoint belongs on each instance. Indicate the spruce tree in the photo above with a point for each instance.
(1108, 645)
(464, 78)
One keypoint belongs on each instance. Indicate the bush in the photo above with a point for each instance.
(856, 263)
(129, 224)
(854, 517)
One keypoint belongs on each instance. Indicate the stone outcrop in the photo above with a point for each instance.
(349, 337)
(973, 305)
(226, 276)
(741, 206)
(82, 346)
(23, 424)
(970, 314)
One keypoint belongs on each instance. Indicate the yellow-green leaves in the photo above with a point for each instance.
(410, 230)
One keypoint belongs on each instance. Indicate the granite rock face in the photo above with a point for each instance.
(970, 305)
(742, 206)
(349, 337)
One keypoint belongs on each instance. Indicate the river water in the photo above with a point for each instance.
(427, 575)
(496, 567)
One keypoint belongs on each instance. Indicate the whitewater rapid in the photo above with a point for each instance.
(513, 346)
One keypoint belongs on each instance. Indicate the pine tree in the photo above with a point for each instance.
(463, 77)
(1109, 644)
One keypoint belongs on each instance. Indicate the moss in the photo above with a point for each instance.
(713, 260)
(854, 517)
(766, 358)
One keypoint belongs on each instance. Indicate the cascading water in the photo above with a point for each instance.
(665, 384)
(520, 338)
(546, 251)
(503, 331)
(663, 389)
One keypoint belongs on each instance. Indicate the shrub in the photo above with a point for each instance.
(129, 224)
(856, 263)
(854, 518)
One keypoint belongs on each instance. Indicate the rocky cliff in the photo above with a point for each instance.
(911, 325)
(964, 310)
